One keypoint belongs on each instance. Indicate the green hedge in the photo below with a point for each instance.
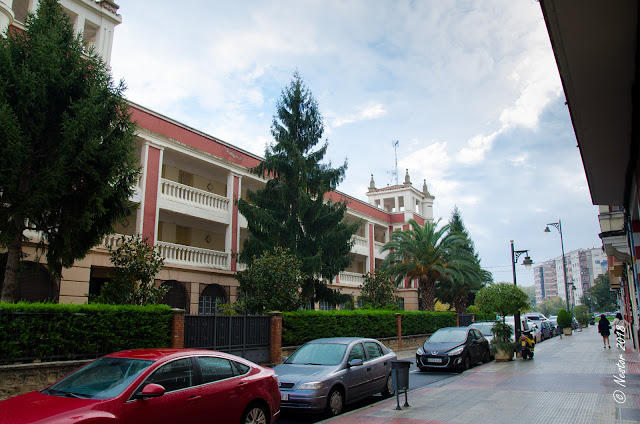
(48, 331)
(300, 327)
(482, 316)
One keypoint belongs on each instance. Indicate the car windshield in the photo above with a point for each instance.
(448, 335)
(484, 327)
(104, 378)
(318, 354)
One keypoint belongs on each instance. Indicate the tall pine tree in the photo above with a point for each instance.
(459, 290)
(67, 160)
(291, 210)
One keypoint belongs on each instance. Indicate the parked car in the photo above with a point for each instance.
(575, 324)
(485, 328)
(453, 348)
(554, 323)
(154, 386)
(525, 325)
(323, 375)
(534, 316)
(535, 331)
(547, 329)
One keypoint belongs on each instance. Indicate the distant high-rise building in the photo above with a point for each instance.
(582, 265)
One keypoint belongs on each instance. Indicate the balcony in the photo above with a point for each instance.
(360, 245)
(192, 201)
(353, 279)
(194, 256)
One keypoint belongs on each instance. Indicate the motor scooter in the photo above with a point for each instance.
(527, 345)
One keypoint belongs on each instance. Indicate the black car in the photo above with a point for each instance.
(453, 348)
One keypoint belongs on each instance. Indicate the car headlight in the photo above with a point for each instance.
(312, 385)
(420, 351)
(456, 351)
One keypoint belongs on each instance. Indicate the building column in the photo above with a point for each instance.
(232, 238)
(371, 265)
(151, 193)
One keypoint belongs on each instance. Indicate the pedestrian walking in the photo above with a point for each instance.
(620, 325)
(604, 328)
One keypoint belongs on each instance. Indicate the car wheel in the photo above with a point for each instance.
(466, 363)
(255, 414)
(335, 403)
(487, 356)
(388, 388)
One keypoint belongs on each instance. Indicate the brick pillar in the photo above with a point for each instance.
(177, 328)
(276, 337)
(399, 330)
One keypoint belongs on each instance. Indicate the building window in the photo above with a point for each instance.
(185, 178)
(326, 306)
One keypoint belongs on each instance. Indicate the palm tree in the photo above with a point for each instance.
(427, 254)
(456, 291)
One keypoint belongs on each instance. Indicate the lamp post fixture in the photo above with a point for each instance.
(515, 254)
(558, 226)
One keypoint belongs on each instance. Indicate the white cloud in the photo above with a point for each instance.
(476, 148)
(365, 112)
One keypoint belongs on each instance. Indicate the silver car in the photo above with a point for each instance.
(325, 374)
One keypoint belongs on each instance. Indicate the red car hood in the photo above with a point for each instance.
(38, 408)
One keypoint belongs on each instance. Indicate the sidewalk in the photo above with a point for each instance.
(571, 380)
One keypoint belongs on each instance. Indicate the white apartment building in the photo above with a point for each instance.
(186, 196)
(582, 266)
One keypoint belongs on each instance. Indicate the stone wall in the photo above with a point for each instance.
(23, 378)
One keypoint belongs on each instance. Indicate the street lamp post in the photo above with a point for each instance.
(558, 226)
(515, 254)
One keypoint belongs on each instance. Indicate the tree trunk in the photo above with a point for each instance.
(14, 252)
(427, 293)
(460, 303)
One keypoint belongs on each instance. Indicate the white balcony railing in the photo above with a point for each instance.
(113, 240)
(351, 278)
(196, 256)
(377, 246)
(184, 193)
(360, 242)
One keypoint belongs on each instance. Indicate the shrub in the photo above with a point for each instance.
(302, 326)
(564, 318)
(55, 331)
(582, 314)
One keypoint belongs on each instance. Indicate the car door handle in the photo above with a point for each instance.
(193, 398)
(241, 383)
(368, 368)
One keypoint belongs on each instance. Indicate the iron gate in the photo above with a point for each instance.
(247, 336)
(465, 320)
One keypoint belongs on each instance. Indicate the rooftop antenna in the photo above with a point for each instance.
(394, 173)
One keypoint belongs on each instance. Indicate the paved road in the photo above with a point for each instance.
(417, 379)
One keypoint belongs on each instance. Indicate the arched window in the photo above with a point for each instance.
(211, 295)
(177, 296)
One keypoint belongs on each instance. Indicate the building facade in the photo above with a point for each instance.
(583, 267)
(186, 198)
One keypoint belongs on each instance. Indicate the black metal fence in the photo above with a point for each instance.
(247, 336)
(465, 320)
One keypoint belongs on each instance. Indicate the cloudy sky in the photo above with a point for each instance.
(469, 89)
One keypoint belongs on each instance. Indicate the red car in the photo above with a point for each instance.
(154, 386)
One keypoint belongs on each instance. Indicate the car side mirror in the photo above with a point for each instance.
(151, 390)
(355, 363)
